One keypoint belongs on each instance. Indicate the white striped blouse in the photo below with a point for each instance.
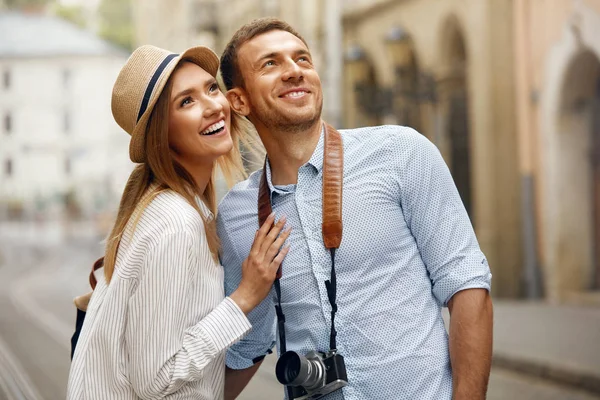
(161, 328)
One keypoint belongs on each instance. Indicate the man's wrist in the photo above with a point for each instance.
(461, 392)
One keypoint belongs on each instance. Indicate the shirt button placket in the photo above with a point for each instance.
(312, 233)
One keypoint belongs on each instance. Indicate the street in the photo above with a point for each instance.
(41, 272)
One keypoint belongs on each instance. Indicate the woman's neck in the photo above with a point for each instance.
(201, 174)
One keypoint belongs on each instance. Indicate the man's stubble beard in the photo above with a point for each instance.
(279, 123)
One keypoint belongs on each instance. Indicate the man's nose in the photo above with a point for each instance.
(292, 71)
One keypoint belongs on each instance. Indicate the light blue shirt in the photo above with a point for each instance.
(408, 246)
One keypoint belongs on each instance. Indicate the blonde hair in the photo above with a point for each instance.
(161, 172)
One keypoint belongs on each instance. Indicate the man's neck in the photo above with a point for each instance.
(289, 151)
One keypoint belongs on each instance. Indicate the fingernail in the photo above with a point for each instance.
(272, 215)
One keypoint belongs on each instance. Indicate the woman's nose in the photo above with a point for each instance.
(212, 107)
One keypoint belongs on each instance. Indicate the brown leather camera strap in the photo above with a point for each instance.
(333, 175)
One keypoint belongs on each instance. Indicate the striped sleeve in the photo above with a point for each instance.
(164, 352)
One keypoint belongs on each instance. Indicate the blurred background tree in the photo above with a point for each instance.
(115, 22)
(72, 13)
(11, 4)
(110, 19)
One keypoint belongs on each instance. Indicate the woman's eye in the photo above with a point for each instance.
(214, 88)
(186, 101)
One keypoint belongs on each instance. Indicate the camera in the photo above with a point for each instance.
(311, 376)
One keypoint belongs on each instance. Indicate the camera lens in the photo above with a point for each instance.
(295, 370)
(288, 367)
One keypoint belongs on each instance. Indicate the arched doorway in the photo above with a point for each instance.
(454, 96)
(366, 103)
(579, 175)
(406, 98)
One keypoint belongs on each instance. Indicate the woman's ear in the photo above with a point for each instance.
(239, 101)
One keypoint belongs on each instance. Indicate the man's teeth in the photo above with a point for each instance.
(214, 127)
(295, 94)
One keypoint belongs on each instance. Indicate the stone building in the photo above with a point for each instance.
(558, 60)
(509, 91)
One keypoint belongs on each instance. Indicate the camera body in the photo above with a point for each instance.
(312, 376)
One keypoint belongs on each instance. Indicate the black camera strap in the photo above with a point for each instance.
(333, 174)
(331, 293)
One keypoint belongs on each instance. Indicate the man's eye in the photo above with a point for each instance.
(269, 63)
(186, 101)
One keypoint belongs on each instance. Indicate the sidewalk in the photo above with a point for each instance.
(559, 343)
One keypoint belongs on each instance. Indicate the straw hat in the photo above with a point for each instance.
(141, 82)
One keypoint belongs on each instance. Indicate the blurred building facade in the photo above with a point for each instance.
(558, 101)
(507, 90)
(446, 68)
(183, 23)
(60, 147)
(510, 93)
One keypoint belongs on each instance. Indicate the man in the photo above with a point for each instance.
(408, 247)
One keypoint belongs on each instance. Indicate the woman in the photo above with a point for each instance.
(158, 325)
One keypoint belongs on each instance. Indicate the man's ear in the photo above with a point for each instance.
(239, 101)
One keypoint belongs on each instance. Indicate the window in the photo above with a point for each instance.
(6, 79)
(67, 166)
(7, 123)
(66, 122)
(66, 77)
(8, 167)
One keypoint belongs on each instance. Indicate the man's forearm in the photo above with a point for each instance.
(237, 379)
(471, 330)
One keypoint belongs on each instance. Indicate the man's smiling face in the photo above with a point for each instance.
(280, 81)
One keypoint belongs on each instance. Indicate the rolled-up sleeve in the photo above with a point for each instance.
(164, 351)
(261, 338)
(437, 218)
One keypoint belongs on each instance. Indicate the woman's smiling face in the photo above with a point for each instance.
(199, 117)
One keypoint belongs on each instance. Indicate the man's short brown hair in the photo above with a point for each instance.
(230, 70)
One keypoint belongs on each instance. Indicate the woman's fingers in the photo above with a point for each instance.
(261, 233)
(279, 259)
(276, 245)
(268, 242)
(272, 235)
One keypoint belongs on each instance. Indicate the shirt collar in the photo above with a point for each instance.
(204, 208)
(316, 160)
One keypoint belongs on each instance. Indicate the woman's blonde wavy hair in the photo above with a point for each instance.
(162, 172)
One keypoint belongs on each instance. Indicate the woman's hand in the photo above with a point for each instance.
(260, 268)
